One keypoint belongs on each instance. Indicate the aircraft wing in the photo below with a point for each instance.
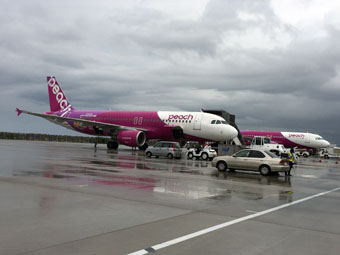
(80, 122)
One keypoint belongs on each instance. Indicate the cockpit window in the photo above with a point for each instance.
(219, 122)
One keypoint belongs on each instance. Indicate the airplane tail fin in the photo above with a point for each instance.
(58, 100)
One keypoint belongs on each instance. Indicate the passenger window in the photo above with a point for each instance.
(256, 154)
(266, 140)
(258, 141)
(242, 154)
(157, 145)
(218, 122)
(213, 121)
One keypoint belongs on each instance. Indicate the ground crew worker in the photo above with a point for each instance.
(291, 161)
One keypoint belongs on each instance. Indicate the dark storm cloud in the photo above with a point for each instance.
(38, 96)
(237, 55)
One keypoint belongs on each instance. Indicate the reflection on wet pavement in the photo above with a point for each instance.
(59, 198)
(191, 179)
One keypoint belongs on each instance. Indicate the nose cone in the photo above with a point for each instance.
(230, 132)
(325, 144)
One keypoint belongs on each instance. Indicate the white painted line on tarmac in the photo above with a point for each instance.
(308, 176)
(225, 224)
(251, 211)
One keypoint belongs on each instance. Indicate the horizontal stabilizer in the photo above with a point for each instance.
(19, 111)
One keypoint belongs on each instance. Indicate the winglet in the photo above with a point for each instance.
(19, 111)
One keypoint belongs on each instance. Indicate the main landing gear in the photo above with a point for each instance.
(112, 145)
(143, 147)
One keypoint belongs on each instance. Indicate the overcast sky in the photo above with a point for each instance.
(274, 64)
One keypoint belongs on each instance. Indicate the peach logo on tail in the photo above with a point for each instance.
(59, 95)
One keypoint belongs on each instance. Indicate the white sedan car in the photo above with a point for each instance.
(251, 159)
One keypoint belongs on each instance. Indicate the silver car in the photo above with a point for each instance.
(164, 149)
(251, 159)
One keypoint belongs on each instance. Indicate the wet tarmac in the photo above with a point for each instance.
(63, 198)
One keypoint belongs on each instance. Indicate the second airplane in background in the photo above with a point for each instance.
(135, 128)
(289, 139)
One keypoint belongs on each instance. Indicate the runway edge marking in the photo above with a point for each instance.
(156, 247)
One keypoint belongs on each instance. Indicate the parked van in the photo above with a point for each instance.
(164, 149)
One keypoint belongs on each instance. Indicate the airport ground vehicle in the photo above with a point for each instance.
(264, 143)
(302, 153)
(205, 153)
(333, 152)
(165, 149)
(251, 159)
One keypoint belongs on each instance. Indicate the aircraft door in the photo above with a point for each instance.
(307, 138)
(197, 121)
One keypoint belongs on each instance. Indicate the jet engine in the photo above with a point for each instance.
(133, 138)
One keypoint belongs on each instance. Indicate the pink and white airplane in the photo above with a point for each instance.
(134, 128)
(289, 139)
